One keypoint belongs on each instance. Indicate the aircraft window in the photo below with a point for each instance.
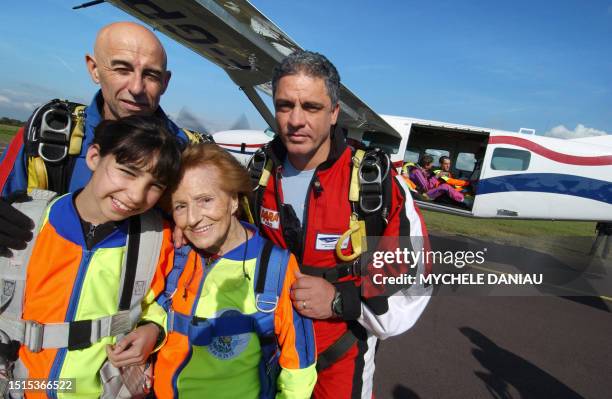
(411, 156)
(381, 140)
(465, 161)
(436, 154)
(510, 159)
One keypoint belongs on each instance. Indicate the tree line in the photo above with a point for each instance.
(10, 121)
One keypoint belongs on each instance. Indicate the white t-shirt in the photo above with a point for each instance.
(295, 185)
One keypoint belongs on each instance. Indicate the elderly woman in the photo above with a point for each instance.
(230, 318)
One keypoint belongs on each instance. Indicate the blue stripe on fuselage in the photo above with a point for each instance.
(598, 190)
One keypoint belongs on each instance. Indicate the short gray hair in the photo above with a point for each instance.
(311, 64)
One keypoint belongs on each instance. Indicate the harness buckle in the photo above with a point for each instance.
(170, 322)
(259, 300)
(256, 166)
(54, 136)
(33, 335)
(370, 181)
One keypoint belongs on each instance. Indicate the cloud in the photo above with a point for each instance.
(580, 130)
(19, 105)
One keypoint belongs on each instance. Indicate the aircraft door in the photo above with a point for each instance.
(503, 187)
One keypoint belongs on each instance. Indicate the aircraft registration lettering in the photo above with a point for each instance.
(176, 25)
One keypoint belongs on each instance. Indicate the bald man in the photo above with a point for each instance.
(129, 65)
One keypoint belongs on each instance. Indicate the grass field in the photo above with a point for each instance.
(440, 222)
(7, 132)
(569, 240)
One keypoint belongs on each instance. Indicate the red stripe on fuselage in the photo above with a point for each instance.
(600, 160)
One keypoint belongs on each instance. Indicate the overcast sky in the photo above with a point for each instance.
(545, 65)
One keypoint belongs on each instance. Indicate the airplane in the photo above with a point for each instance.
(513, 175)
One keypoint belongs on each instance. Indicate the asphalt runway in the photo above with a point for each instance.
(484, 346)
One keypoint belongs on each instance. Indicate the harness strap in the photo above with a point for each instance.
(336, 350)
(131, 260)
(180, 260)
(78, 131)
(37, 174)
(144, 243)
(334, 273)
(194, 137)
(201, 332)
(354, 184)
(270, 271)
(13, 270)
(72, 335)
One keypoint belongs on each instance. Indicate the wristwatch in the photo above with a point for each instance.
(337, 304)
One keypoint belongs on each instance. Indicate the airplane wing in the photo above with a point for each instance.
(234, 35)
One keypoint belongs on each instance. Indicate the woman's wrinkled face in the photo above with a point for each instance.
(202, 209)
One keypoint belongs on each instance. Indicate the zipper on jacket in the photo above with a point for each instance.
(306, 209)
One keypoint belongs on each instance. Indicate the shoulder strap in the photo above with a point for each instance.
(270, 274)
(180, 260)
(13, 269)
(140, 262)
(260, 169)
(197, 137)
(370, 196)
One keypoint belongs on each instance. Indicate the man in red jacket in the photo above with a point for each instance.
(304, 205)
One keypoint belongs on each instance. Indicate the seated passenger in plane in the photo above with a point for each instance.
(422, 175)
(445, 176)
(428, 183)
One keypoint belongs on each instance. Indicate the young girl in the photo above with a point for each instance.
(77, 277)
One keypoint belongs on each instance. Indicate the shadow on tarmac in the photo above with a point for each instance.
(505, 369)
(402, 392)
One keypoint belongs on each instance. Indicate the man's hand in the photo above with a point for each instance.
(312, 296)
(135, 347)
(178, 237)
(15, 227)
